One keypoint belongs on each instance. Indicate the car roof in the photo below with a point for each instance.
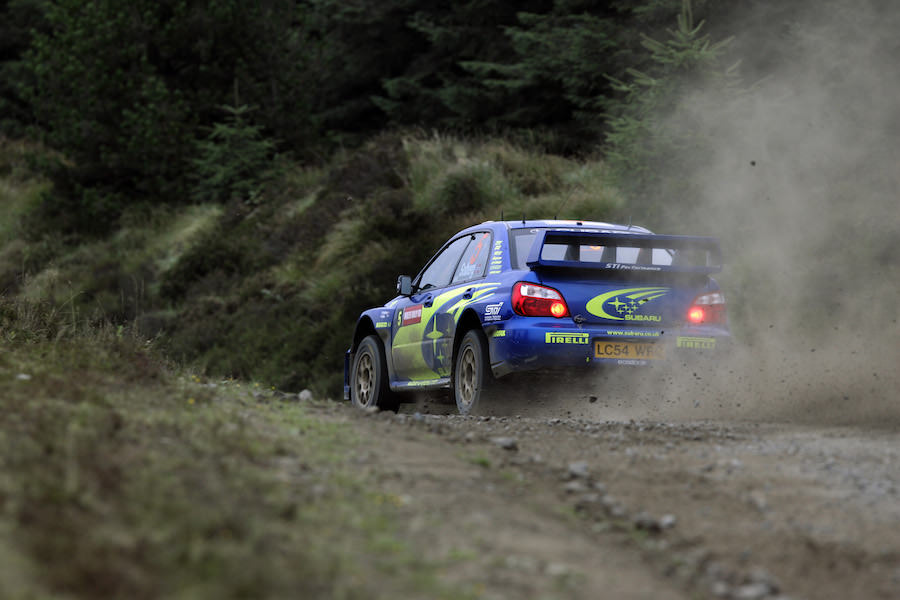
(561, 224)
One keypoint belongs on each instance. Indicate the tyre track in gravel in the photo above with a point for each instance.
(579, 508)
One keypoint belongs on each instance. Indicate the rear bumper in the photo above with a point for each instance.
(526, 344)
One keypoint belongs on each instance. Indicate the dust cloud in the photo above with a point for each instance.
(802, 189)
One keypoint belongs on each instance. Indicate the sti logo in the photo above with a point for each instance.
(492, 311)
(411, 315)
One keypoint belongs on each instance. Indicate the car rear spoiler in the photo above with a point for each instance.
(700, 255)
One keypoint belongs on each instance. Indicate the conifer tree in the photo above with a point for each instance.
(653, 131)
(233, 161)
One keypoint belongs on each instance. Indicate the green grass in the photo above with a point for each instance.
(271, 291)
(479, 460)
(122, 478)
(479, 179)
(16, 198)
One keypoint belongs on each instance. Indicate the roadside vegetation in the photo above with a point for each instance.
(270, 290)
(124, 477)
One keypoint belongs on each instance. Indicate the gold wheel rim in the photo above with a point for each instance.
(467, 374)
(365, 379)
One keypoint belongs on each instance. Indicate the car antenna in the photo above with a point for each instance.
(523, 218)
(501, 214)
(629, 221)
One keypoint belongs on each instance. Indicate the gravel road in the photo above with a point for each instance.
(570, 495)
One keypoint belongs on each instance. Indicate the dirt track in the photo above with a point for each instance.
(644, 503)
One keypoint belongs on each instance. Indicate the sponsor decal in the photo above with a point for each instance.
(425, 383)
(627, 304)
(465, 271)
(382, 324)
(628, 267)
(492, 311)
(571, 229)
(699, 343)
(500, 333)
(479, 248)
(566, 338)
(411, 315)
(633, 333)
(496, 258)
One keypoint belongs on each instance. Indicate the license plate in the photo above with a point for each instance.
(629, 350)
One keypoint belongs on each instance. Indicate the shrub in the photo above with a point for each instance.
(233, 161)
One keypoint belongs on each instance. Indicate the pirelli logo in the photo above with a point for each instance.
(567, 338)
(700, 343)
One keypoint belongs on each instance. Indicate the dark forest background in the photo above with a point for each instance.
(180, 101)
(209, 173)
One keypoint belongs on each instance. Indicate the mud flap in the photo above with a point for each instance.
(347, 357)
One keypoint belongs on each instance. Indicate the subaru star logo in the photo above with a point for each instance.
(626, 304)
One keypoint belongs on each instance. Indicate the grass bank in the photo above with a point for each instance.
(270, 290)
(121, 477)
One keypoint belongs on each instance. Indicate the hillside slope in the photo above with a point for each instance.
(270, 290)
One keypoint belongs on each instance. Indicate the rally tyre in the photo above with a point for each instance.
(472, 377)
(369, 377)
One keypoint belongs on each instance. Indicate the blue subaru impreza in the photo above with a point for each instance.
(510, 296)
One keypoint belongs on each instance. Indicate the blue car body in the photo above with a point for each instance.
(631, 298)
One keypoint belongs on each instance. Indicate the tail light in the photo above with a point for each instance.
(532, 300)
(708, 309)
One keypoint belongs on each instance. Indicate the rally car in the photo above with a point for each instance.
(510, 296)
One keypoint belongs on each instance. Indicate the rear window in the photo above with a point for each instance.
(523, 239)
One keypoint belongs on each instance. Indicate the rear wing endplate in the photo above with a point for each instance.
(625, 252)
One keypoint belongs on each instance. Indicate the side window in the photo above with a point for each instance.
(522, 241)
(437, 273)
(474, 259)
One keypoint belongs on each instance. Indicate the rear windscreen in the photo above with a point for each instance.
(524, 239)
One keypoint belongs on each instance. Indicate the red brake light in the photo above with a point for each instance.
(696, 315)
(708, 309)
(532, 300)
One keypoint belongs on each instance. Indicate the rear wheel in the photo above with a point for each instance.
(369, 378)
(471, 372)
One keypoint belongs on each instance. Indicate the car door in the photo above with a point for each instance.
(423, 345)
(414, 312)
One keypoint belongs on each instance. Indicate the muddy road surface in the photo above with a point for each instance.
(558, 491)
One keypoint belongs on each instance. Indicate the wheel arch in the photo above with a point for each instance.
(467, 321)
(364, 328)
